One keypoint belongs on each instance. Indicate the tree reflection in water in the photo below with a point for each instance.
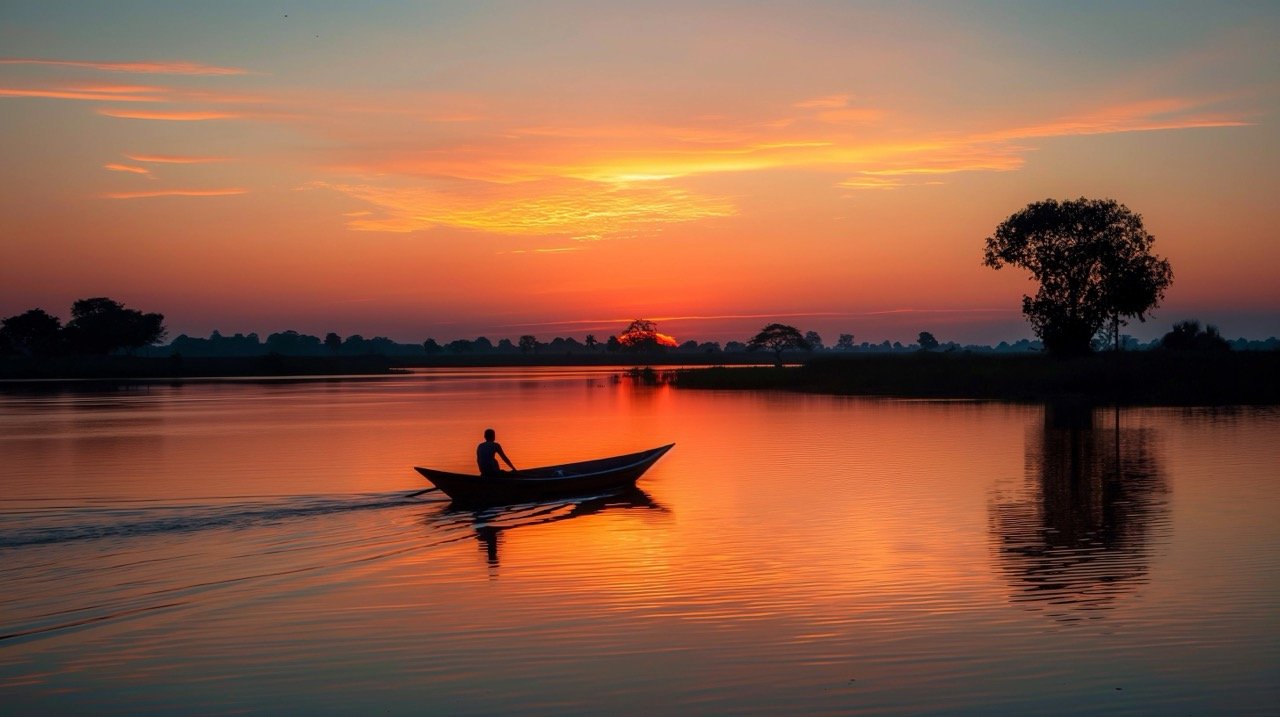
(1078, 534)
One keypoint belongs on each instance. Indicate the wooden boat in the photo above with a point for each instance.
(599, 476)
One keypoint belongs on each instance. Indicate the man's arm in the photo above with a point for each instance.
(504, 457)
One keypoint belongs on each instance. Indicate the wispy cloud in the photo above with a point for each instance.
(168, 115)
(545, 250)
(175, 159)
(153, 67)
(623, 320)
(115, 167)
(177, 193)
(575, 208)
(826, 102)
(110, 94)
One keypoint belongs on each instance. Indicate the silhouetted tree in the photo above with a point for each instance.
(506, 347)
(814, 340)
(1188, 336)
(736, 347)
(927, 341)
(1093, 260)
(778, 338)
(430, 347)
(642, 335)
(292, 343)
(612, 344)
(31, 333)
(591, 341)
(845, 342)
(333, 342)
(101, 326)
(528, 343)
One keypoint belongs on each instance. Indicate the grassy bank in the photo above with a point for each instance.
(1147, 377)
(137, 367)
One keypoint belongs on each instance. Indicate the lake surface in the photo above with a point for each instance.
(232, 547)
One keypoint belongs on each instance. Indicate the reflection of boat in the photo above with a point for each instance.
(570, 479)
(491, 522)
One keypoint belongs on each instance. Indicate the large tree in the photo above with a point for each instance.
(1093, 260)
(31, 333)
(103, 326)
(778, 338)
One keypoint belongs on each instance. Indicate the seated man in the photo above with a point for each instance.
(486, 455)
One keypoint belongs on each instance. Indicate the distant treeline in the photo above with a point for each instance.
(103, 327)
(1157, 377)
(292, 343)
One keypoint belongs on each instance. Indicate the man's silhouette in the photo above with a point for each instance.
(487, 454)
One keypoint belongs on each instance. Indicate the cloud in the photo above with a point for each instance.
(546, 250)
(174, 159)
(573, 208)
(140, 67)
(110, 94)
(827, 102)
(167, 115)
(177, 193)
(1166, 113)
(114, 167)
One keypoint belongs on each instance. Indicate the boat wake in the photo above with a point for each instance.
(60, 525)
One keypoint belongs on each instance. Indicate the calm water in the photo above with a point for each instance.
(248, 547)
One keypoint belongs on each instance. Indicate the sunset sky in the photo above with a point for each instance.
(452, 170)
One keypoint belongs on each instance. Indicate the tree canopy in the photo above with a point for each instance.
(32, 333)
(642, 335)
(927, 341)
(1188, 336)
(102, 326)
(778, 338)
(1093, 260)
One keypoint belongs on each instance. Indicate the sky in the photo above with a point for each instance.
(463, 169)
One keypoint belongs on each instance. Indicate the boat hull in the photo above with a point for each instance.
(538, 484)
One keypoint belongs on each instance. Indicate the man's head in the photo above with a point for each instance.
(489, 434)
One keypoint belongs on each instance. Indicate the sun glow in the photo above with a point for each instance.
(453, 170)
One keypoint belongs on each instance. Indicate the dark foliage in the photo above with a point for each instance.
(1188, 336)
(100, 326)
(778, 338)
(927, 341)
(32, 333)
(1093, 260)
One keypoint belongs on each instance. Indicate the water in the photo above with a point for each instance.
(246, 546)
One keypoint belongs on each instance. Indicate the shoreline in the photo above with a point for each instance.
(1132, 378)
(1137, 378)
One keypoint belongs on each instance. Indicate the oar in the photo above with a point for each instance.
(425, 490)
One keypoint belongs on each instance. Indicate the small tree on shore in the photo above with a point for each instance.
(1188, 336)
(927, 341)
(642, 335)
(778, 338)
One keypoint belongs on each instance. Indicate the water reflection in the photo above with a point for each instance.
(1079, 534)
(490, 523)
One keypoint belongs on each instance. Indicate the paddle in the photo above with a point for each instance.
(425, 490)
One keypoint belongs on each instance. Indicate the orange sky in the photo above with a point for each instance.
(457, 170)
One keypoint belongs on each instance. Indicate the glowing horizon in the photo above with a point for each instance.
(454, 171)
